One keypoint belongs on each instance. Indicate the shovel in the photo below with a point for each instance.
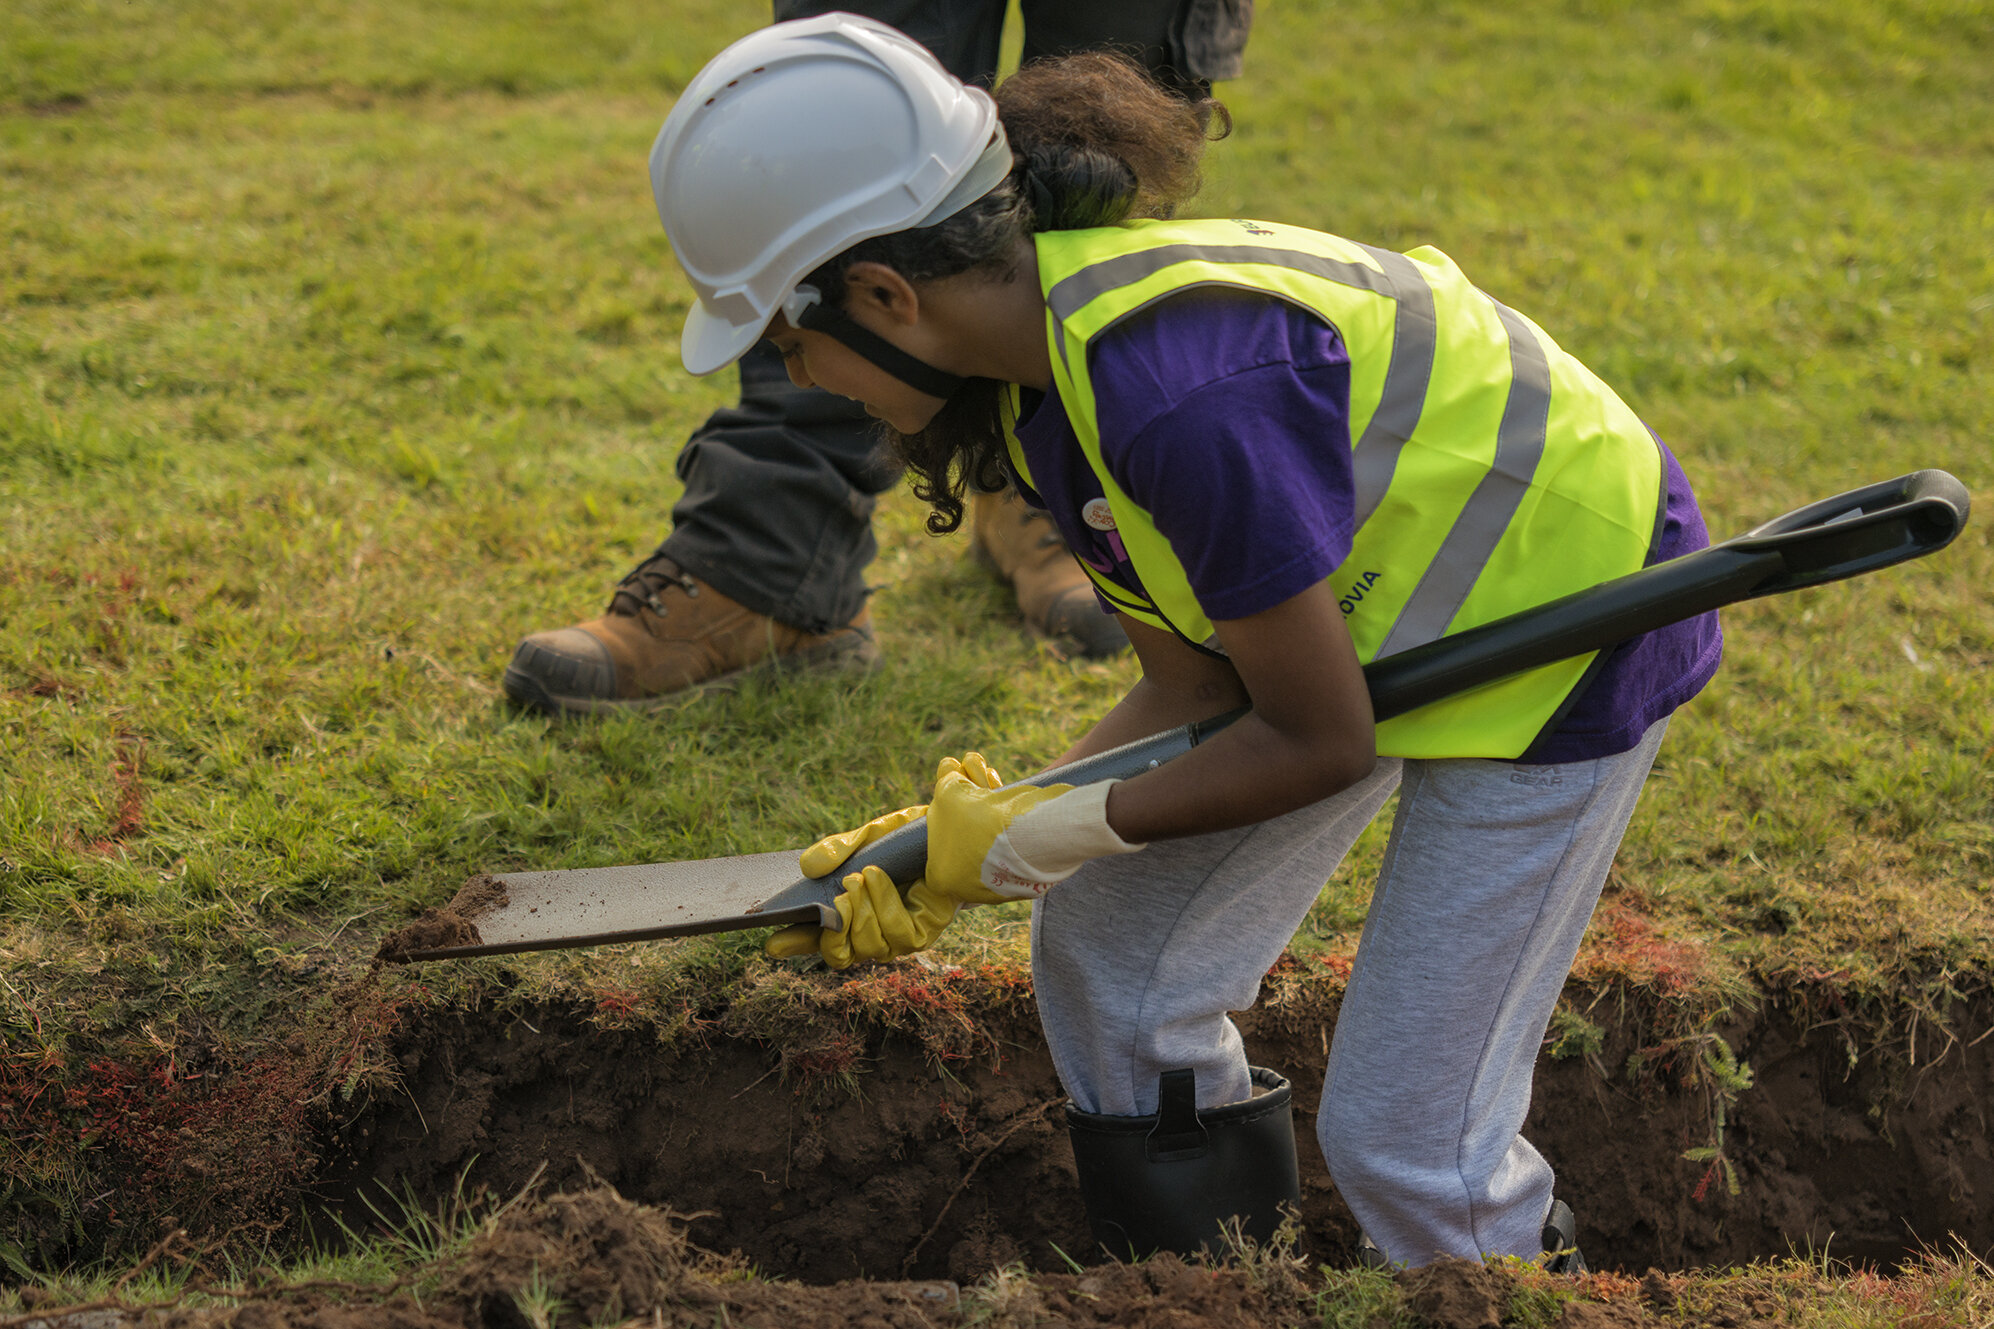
(1857, 532)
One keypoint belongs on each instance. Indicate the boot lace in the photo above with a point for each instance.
(642, 587)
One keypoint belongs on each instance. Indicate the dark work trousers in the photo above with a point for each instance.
(779, 490)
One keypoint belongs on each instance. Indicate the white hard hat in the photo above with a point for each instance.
(794, 144)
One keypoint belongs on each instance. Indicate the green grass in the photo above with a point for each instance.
(338, 352)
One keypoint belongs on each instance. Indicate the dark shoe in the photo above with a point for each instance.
(1054, 595)
(1178, 1180)
(666, 632)
(1560, 1239)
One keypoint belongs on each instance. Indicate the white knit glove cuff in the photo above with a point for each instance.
(1048, 843)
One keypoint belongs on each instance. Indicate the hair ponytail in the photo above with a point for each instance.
(1097, 142)
(1070, 189)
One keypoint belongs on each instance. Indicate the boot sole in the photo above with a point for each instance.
(834, 656)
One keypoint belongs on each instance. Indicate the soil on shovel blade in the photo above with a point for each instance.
(883, 1166)
(453, 924)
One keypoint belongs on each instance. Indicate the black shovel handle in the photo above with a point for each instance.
(1846, 536)
(1857, 532)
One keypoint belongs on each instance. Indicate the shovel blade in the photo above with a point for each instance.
(538, 911)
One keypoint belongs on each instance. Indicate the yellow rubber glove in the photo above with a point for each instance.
(987, 846)
(964, 823)
(832, 850)
(879, 925)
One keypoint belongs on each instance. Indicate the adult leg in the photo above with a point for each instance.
(1186, 44)
(770, 540)
(1488, 882)
(963, 34)
(779, 496)
(779, 491)
(763, 568)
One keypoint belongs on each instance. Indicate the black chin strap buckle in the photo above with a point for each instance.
(916, 374)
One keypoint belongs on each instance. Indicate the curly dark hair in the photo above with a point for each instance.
(1097, 141)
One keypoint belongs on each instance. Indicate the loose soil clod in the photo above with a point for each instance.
(1456, 1294)
(451, 925)
(595, 1253)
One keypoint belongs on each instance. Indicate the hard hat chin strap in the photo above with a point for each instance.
(916, 374)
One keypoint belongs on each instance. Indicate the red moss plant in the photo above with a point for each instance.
(827, 1025)
(835, 1055)
(1605, 1285)
(106, 636)
(946, 1009)
(616, 1008)
(1625, 944)
(1305, 987)
(219, 1151)
(128, 781)
(1339, 966)
(671, 1016)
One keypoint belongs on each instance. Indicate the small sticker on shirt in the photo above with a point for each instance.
(1098, 514)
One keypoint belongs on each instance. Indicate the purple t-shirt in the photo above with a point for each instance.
(1225, 415)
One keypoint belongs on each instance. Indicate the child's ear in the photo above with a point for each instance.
(884, 290)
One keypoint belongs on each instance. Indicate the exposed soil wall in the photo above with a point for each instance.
(899, 1171)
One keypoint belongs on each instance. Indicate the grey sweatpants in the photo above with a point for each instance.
(1490, 876)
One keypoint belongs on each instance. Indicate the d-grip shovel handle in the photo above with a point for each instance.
(1857, 532)
(1853, 533)
(1864, 529)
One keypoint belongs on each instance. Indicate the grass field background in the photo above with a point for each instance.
(338, 352)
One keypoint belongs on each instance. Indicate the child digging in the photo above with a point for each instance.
(1280, 454)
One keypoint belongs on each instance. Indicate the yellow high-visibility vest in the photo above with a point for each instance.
(1493, 471)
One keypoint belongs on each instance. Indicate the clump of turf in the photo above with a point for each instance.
(591, 1253)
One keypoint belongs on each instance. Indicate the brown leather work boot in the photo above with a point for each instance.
(665, 632)
(1054, 595)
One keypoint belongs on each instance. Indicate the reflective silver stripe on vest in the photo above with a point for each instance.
(1414, 330)
(1489, 510)
(1520, 437)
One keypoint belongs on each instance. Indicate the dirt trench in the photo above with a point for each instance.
(903, 1171)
